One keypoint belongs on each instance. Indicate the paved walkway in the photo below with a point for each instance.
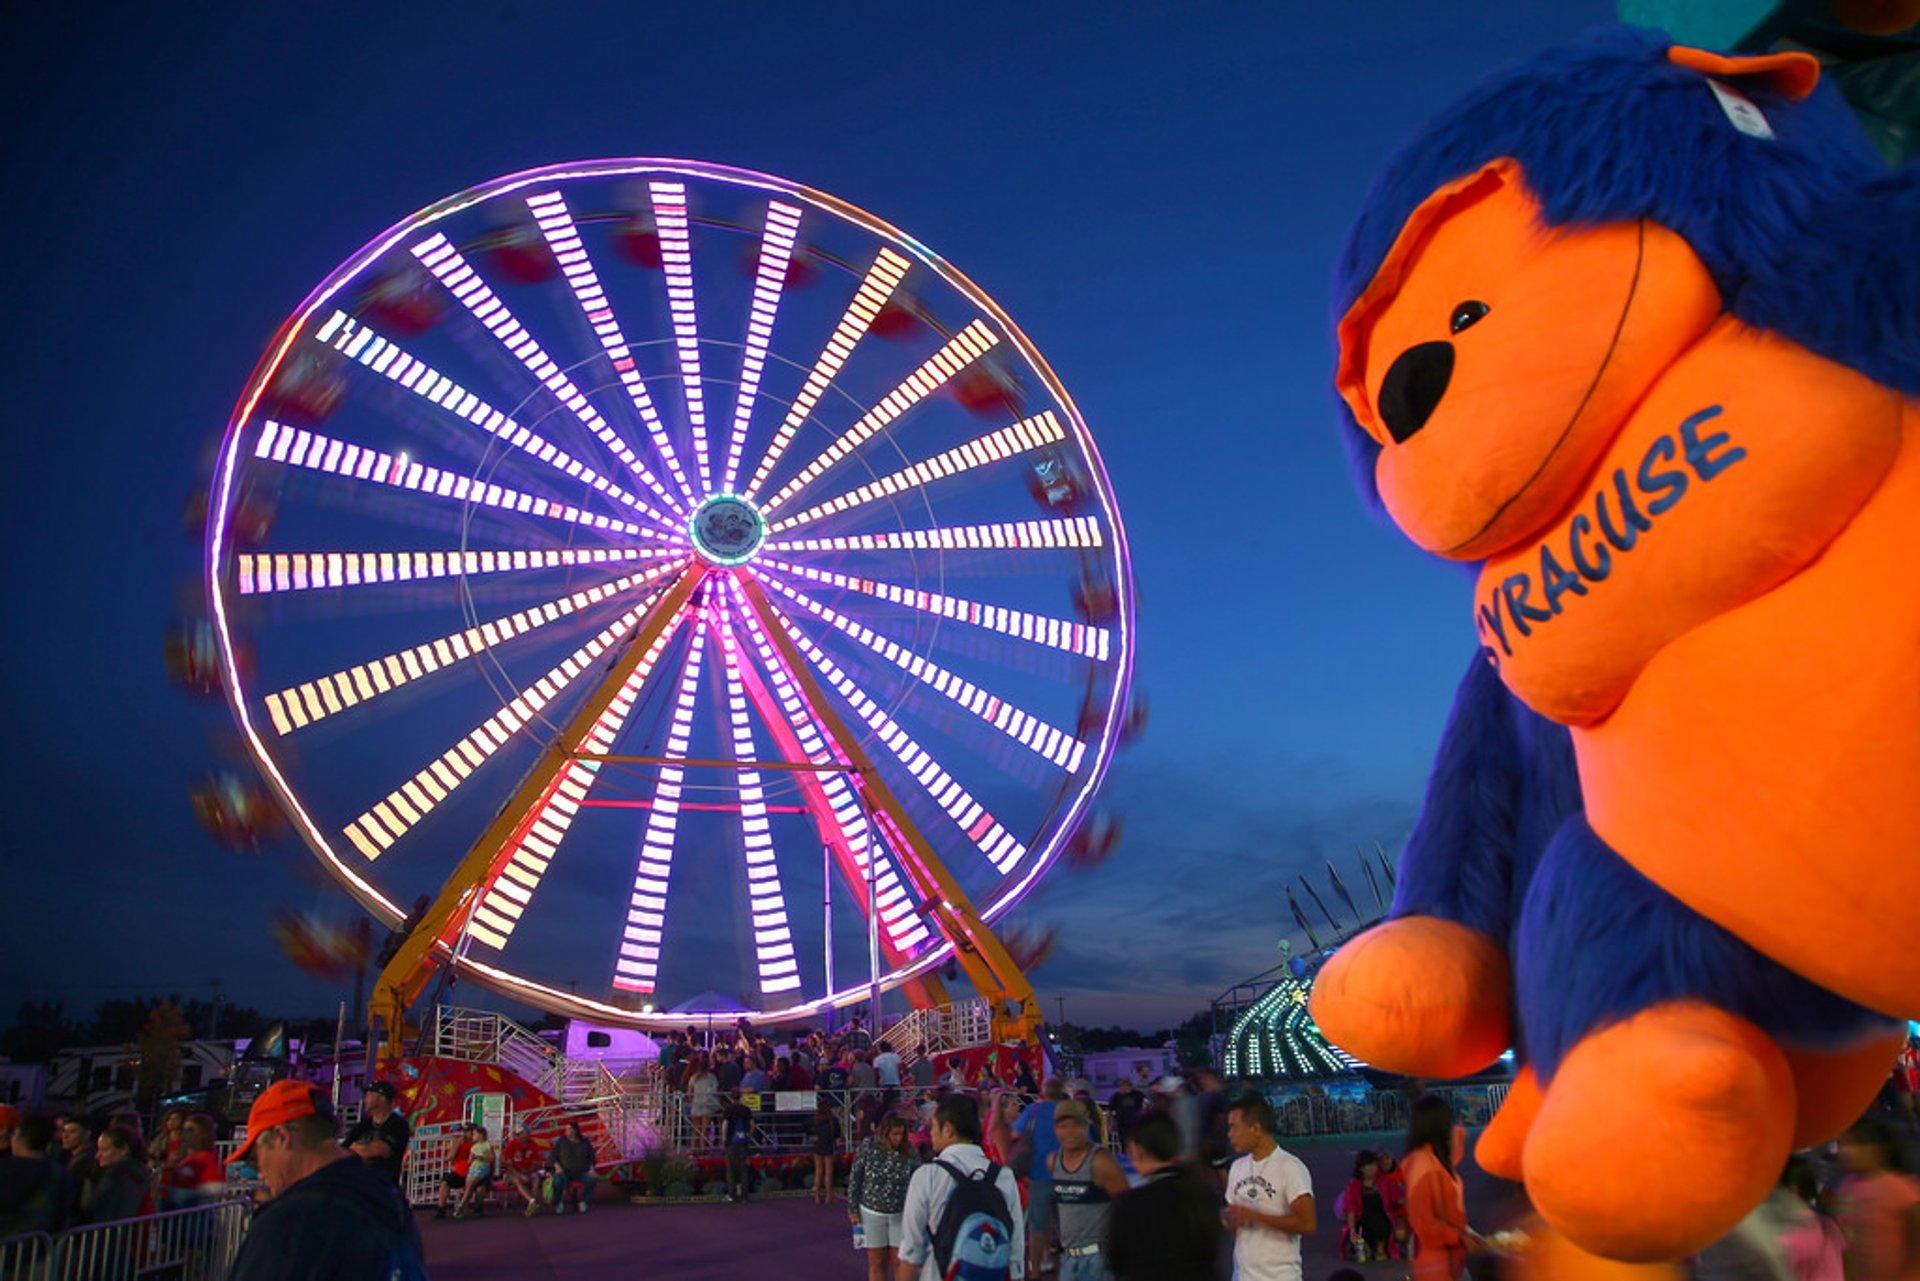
(791, 1237)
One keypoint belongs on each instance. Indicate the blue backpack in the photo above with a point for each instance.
(974, 1241)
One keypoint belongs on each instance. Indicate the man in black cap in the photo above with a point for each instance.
(381, 1135)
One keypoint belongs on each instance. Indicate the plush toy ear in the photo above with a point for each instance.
(1792, 73)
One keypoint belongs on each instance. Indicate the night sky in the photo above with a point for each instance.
(1155, 193)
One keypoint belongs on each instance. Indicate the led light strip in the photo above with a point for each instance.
(556, 224)
(509, 893)
(881, 280)
(904, 925)
(448, 265)
(407, 804)
(299, 706)
(303, 571)
(1079, 531)
(772, 936)
(776, 251)
(961, 350)
(1041, 629)
(998, 844)
(1031, 433)
(1024, 728)
(353, 339)
(676, 254)
(298, 447)
(638, 965)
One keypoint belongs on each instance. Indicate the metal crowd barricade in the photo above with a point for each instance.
(197, 1244)
(429, 1156)
(27, 1258)
(1312, 1111)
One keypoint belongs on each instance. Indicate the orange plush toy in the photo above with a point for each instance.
(1636, 329)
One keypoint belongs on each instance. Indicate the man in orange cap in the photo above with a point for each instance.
(331, 1215)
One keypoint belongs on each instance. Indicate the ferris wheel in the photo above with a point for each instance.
(676, 576)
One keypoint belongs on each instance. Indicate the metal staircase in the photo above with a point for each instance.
(940, 1029)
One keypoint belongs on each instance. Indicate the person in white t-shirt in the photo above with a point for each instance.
(956, 1143)
(1269, 1197)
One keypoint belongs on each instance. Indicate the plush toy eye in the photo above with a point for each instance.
(1467, 314)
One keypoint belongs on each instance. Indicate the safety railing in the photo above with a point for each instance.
(941, 1028)
(27, 1258)
(479, 1036)
(197, 1244)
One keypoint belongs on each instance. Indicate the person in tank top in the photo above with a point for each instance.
(1086, 1179)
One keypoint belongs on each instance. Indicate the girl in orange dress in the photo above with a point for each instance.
(1436, 1199)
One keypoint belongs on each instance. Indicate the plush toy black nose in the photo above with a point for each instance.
(1413, 387)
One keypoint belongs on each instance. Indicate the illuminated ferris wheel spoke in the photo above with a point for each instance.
(770, 278)
(676, 254)
(1017, 535)
(960, 351)
(451, 269)
(510, 884)
(301, 705)
(772, 936)
(999, 846)
(384, 357)
(905, 929)
(406, 805)
(983, 451)
(297, 447)
(637, 967)
(556, 224)
(303, 571)
(1042, 629)
(882, 278)
(1023, 727)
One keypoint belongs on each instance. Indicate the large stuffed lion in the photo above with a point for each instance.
(1635, 329)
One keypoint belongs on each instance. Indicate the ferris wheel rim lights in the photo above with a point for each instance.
(665, 513)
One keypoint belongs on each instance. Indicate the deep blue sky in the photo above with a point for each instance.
(1155, 192)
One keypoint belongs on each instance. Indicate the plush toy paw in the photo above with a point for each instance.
(1658, 1133)
(1551, 1257)
(1834, 1089)
(1417, 995)
(1502, 1144)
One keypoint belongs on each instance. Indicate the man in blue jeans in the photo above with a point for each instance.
(1033, 1131)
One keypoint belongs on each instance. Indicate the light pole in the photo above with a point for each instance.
(826, 894)
(873, 926)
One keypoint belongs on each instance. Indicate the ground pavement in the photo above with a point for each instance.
(794, 1239)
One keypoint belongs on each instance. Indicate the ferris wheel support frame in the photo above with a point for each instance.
(405, 977)
(1015, 1012)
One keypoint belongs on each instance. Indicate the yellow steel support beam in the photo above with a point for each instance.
(406, 975)
(1016, 1014)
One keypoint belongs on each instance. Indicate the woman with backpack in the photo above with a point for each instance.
(877, 1193)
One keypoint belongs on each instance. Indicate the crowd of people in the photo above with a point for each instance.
(1004, 1176)
(65, 1171)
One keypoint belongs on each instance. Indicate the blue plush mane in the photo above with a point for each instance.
(1607, 129)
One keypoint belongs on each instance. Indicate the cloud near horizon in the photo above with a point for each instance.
(1193, 900)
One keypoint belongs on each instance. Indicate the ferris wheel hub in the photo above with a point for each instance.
(727, 530)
